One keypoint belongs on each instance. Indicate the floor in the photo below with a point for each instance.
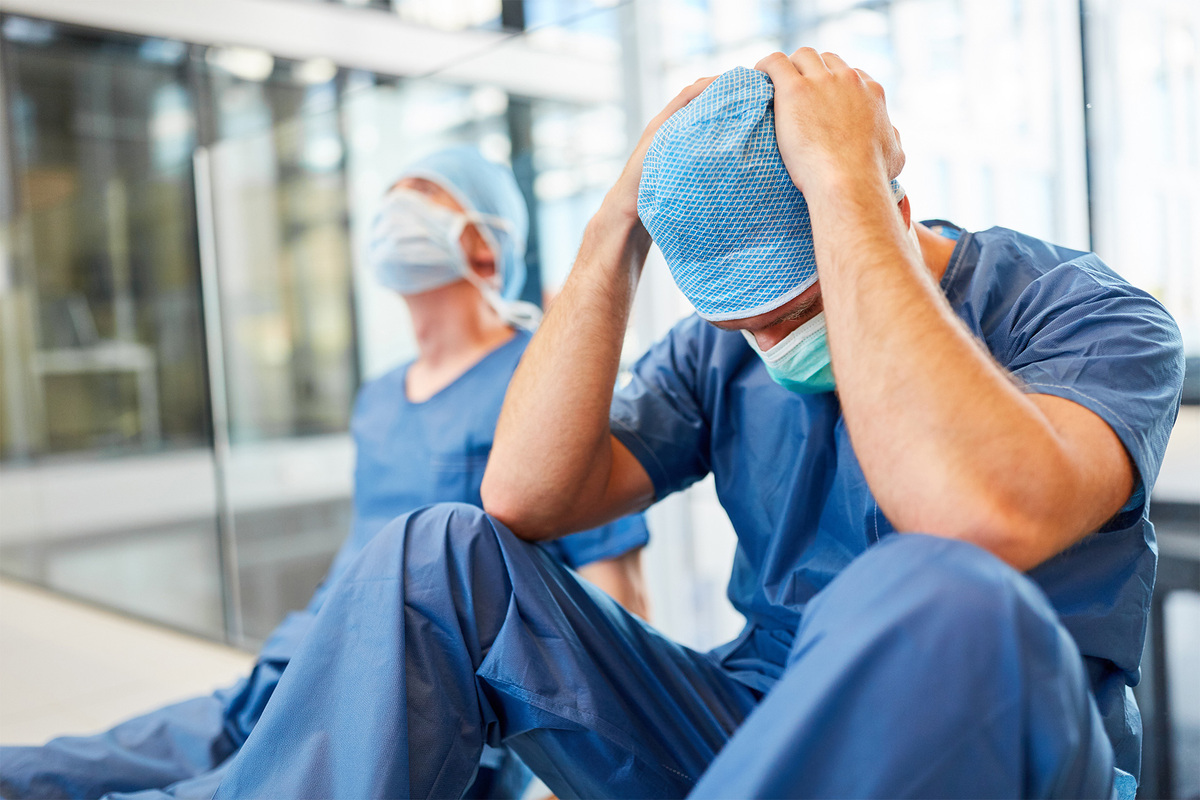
(71, 668)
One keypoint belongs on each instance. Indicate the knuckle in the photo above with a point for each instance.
(767, 61)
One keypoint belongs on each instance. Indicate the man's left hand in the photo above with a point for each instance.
(830, 120)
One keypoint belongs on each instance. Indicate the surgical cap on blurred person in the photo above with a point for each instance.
(488, 190)
(718, 201)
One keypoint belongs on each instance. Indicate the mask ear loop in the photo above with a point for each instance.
(521, 313)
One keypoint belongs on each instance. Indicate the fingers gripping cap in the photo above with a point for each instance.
(717, 199)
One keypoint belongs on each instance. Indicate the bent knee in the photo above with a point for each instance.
(960, 586)
(438, 532)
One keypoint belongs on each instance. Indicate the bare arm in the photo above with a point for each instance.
(555, 468)
(948, 443)
(622, 579)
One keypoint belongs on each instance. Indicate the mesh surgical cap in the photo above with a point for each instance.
(718, 201)
(487, 188)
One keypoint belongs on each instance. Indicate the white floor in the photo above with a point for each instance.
(69, 668)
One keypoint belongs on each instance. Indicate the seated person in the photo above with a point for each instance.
(937, 453)
(450, 237)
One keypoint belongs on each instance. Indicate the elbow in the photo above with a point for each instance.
(511, 508)
(1012, 536)
(1023, 529)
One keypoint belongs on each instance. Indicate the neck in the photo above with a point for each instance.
(454, 324)
(936, 250)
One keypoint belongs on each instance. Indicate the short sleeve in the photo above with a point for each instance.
(658, 416)
(609, 541)
(1081, 333)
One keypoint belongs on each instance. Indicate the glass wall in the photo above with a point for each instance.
(103, 348)
(1144, 108)
(274, 194)
(183, 341)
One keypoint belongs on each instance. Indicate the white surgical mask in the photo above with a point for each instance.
(415, 247)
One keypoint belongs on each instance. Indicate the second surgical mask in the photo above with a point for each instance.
(415, 247)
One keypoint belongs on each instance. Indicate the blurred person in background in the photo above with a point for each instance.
(450, 238)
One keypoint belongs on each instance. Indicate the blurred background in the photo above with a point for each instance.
(185, 191)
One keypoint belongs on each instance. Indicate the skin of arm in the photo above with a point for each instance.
(947, 441)
(622, 579)
(555, 467)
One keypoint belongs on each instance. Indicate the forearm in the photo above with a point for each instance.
(552, 455)
(946, 440)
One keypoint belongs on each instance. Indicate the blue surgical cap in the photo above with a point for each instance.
(487, 188)
(718, 201)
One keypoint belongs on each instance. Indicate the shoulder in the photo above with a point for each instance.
(1010, 286)
(1010, 261)
(694, 357)
(998, 264)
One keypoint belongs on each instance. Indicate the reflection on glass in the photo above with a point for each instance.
(283, 256)
(287, 320)
(450, 16)
(106, 476)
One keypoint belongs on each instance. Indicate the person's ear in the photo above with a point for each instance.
(906, 211)
(479, 256)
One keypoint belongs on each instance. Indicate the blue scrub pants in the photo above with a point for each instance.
(926, 668)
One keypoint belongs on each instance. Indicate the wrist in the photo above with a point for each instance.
(846, 181)
(849, 199)
(616, 210)
(616, 226)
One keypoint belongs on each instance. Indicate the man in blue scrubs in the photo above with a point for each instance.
(936, 448)
(450, 239)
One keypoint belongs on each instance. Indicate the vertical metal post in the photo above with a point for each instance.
(210, 292)
(520, 133)
(1161, 781)
(8, 191)
(1087, 124)
(20, 419)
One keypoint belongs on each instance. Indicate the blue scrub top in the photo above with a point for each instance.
(413, 454)
(1062, 322)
